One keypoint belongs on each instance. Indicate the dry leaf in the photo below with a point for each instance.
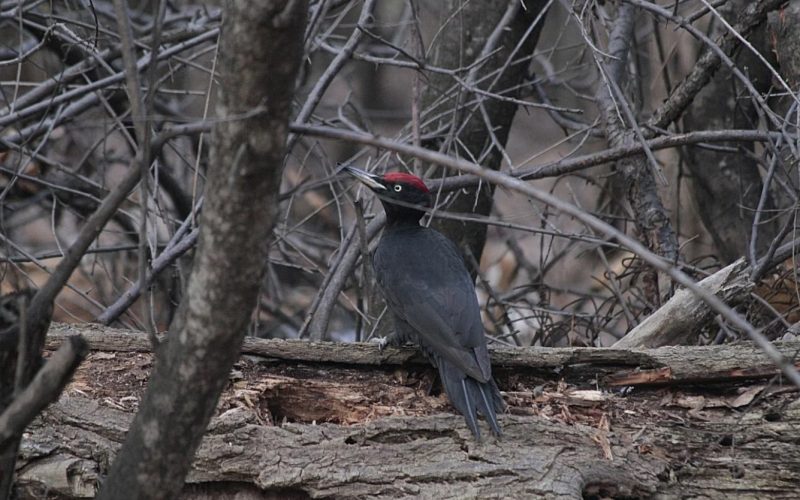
(747, 397)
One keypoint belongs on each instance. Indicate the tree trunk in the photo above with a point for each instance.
(727, 185)
(315, 420)
(637, 179)
(472, 125)
(260, 52)
(784, 35)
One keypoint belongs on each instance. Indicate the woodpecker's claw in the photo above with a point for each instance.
(394, 339)
(381, 341)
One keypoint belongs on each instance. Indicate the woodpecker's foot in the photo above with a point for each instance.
(392, 339)
(381, 341)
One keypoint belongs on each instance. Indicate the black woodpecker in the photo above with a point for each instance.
(431, 297)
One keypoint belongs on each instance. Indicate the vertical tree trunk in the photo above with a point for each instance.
(637, 179)
(260, 52)
(727, 186)
(468, 120)
(784, 44)
(11, 308)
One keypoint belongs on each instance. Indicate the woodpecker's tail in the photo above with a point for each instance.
(471, 397)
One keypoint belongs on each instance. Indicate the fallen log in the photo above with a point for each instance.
(348, 421)
(613, 367)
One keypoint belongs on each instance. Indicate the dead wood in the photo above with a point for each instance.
(614, 367)
(685, 313)
(300, 420)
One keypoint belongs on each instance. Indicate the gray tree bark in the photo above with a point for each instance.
(260, 52)
(784, 28)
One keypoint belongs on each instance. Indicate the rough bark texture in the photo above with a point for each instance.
(685, 314)
(44, 389)
(379, 434)
(651, 218)
(260, 52)
(462, 127)
(727, 186)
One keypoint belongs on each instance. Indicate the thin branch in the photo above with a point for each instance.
(167, 257)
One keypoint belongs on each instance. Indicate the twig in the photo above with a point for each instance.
(167, 257)
(776, 254)
(583, 162)
(366, 264)
(87, 94)
(335, 280)
(141, 109)
(762, 202)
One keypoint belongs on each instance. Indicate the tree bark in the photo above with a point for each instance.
(260, 52)
(336, 424)
(784, 32)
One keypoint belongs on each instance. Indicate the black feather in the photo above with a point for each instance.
(432, 298)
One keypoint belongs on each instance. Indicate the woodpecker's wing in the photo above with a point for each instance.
(426, 284)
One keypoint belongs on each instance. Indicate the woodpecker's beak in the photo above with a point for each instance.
(371, 181)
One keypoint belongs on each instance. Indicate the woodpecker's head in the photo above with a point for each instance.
(401, 194)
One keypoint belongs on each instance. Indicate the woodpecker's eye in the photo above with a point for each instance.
(398, 188)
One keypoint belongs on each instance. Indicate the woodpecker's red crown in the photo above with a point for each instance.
(407, 179)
